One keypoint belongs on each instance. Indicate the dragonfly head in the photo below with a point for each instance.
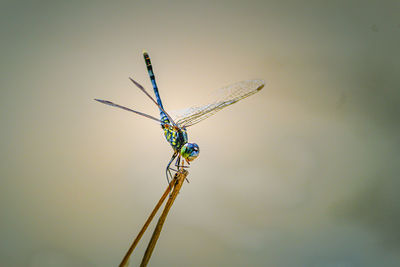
(190, 151)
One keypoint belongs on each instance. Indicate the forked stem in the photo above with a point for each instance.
(125, 260)
(178, 179)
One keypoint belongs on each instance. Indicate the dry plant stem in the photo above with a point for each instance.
(125, 260)
(179, 178)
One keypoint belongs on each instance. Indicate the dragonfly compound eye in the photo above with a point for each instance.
(190, 151)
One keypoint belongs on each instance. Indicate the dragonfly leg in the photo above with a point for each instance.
(178, 162)
(167, 170)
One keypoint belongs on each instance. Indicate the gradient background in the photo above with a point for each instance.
(305, 173)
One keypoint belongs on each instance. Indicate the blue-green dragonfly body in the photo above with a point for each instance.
(176, 136)
(175, 130)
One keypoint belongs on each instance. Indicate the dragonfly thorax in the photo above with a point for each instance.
(176, 136)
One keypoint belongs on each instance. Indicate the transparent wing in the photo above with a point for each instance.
(225, 96)
(128, 109)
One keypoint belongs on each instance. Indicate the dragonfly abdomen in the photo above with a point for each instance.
(164, 117)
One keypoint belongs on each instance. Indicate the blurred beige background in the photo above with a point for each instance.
(305, 173)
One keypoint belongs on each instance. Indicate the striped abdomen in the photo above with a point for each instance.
(163, 116)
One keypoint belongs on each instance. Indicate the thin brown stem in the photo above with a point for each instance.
(179, 179)
(125, 260)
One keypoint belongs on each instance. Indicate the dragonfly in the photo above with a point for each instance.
(175, 130)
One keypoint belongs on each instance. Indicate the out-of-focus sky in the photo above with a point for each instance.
(304, 173)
